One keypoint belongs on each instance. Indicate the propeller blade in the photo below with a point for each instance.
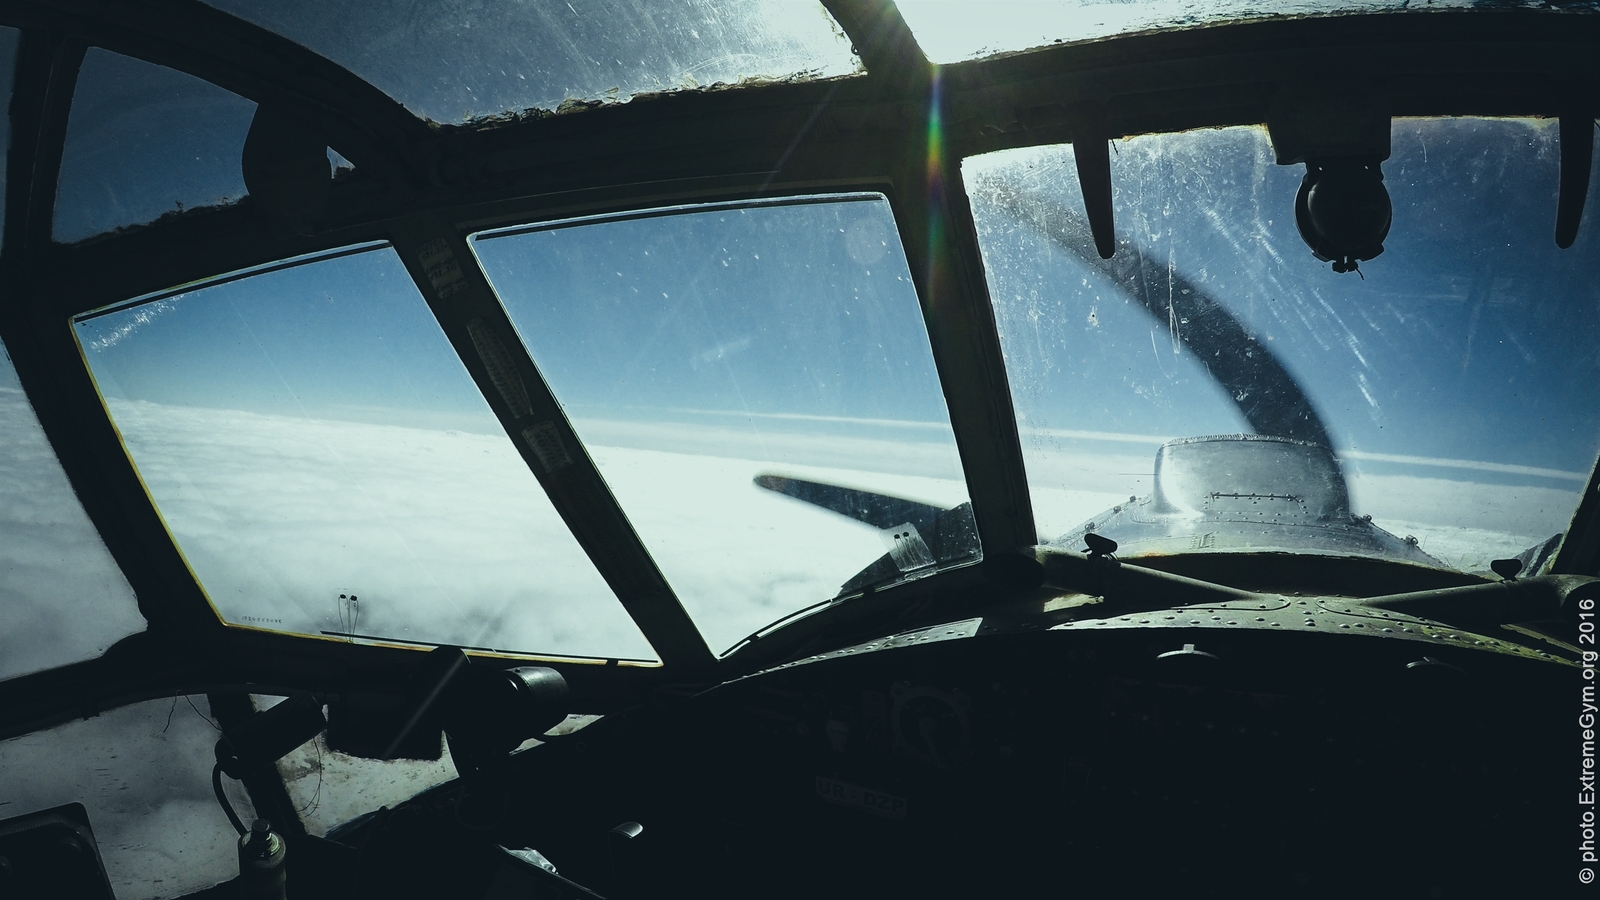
(877, 510)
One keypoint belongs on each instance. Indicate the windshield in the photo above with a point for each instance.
(1452, 380)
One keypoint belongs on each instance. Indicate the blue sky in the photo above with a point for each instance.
(797, 309)
(345, 338)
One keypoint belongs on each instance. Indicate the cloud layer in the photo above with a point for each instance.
(62, 597)
(446, 536)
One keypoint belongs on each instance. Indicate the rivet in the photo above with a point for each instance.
(1388, 631)
(1216, 618)
(1144, 621)
(1169, 618)
(1233, 623)
(1275, 625)
(1343, 625)
(1194, 621)
(1359, 625)
(1261, 618)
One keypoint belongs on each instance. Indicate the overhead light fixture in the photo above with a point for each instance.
(1341, 134)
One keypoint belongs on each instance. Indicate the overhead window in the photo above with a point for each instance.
(327, 466)
(956, 30)
(1453, 380)
(144, 141)
(62, 597)
(459, 61)
(143, 773)
(756, 386)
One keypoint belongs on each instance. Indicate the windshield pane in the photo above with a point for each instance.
(62, 597)
(956, 30)
(1454, 381)
(328, 467)
(454, 61)
(143, 772)
(144, 141)
(748, 379)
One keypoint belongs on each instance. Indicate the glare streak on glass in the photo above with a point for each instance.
(144, 141)
(696, 350)
(955, 30)
(143, 772)
(454, 61)
(327, 466)
(1456, 380)
(63, 599)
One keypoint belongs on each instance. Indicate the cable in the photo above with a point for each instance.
(216, 785)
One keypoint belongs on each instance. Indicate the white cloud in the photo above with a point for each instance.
(62, 597)
(446, 536)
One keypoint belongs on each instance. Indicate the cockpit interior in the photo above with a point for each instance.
(516, 449)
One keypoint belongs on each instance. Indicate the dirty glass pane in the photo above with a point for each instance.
(328, 467)
(144, 141)
(1454, 378)
(955, 30)
(716, 362)
(144, 774)
(8, 73)
(460, 60)
(62, 597)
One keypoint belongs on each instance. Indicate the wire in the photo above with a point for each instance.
(216, 785)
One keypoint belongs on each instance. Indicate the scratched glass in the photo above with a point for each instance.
(454, 61)
(956, 30)
(1454, 379)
